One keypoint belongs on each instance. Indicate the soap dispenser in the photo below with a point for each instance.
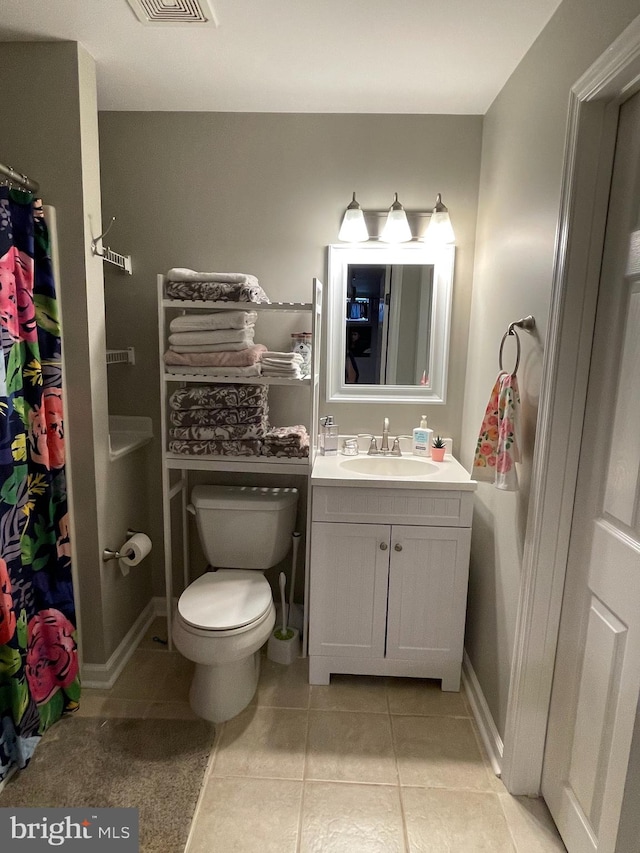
(328, 436)
(422, 438)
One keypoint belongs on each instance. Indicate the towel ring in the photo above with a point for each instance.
(527, 323)
(510, 331)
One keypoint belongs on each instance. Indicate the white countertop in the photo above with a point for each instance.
(449, 474)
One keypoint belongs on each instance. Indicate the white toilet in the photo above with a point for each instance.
(227, 614)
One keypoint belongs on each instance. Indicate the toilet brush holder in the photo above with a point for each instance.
(284, 647)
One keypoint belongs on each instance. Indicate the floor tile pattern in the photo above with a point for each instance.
(365, 765)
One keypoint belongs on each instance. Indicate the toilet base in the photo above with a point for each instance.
(220, 692)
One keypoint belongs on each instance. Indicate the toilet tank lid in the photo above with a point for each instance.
(240, 497)
(225, 599)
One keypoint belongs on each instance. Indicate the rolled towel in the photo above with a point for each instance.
(220, 397)
(250, 370)
(216, 336)
(239, 416)
(242, 358)
(209, 322)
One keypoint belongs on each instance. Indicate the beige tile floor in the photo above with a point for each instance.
(365, 765)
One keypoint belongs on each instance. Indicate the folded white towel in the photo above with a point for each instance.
(184, 274)
(208, 322)
(216, 336)
(249, 370)
(292, 372)
(283, 356)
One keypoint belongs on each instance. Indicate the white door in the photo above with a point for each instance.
(597, 674)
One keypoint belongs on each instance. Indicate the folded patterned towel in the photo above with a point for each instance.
(216, 291)
(215, 336)
(251, 370)
(209, 322)
(229, 347)
(242, 358)
(220, 397)
(222, 448)
(229, 432)
(287, 436)
(284, 451)
(241, 415)
(184, 274)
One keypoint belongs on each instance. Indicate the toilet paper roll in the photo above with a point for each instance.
(136, 549)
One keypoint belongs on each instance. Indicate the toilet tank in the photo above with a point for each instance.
(244, 527)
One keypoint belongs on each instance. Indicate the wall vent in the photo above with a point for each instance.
(173, 12)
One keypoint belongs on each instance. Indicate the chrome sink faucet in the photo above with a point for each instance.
(384, 447)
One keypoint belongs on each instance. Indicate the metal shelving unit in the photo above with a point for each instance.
(174, 462)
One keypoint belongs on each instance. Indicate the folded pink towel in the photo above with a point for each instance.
(241, 358)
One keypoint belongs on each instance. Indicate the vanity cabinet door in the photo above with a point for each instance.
(348, 589)
(429, 569)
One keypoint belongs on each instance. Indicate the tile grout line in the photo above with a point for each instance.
(205, 780)
(403, 817)
(304, 778)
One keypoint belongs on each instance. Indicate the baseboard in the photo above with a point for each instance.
(482, 715)
(103, 675)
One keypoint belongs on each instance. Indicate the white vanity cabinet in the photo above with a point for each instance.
(388, 582)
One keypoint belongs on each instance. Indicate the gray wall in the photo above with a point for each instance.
(522, 154)
(265, 193)
(51, 133)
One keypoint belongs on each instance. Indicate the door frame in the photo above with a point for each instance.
(588, 161)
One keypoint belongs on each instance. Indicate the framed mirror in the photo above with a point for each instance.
(389, 316)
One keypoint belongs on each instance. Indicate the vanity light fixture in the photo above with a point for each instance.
(396, 228)
(439, 230)
(353, 228)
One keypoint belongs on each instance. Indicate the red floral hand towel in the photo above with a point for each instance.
(498, 447)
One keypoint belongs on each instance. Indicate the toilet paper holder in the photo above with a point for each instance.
(108, 554)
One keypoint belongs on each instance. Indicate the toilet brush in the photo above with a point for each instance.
(284, 643)
(294, 615)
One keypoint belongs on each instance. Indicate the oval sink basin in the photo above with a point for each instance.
(389, 466)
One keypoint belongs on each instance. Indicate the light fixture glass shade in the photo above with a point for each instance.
(353, 228)
(396, 228)
(439, 230)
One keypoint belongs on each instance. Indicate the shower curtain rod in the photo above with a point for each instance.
(16, 178)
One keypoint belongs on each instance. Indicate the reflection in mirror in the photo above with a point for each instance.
(388, 317)
(388, 323)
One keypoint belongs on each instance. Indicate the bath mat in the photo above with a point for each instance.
(154, 765)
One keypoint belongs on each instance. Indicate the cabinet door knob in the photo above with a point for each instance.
(383, 546)
(398, 547)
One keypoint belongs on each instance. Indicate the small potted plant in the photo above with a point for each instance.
(437, 449)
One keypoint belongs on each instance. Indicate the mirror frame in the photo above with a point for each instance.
(442, 260)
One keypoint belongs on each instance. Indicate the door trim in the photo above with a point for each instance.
(587, 167)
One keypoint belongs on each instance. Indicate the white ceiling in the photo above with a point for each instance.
(354, 56)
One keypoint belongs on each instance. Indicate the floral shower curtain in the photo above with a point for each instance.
(39, 678)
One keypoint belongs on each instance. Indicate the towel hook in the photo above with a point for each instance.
(94, 243)
(527, 323)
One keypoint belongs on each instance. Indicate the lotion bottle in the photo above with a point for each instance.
(422, 438)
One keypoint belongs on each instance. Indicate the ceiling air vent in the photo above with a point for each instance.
(173, 12)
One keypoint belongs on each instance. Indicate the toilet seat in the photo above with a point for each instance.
(225, 600)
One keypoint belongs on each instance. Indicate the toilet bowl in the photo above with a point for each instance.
(226, 615)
